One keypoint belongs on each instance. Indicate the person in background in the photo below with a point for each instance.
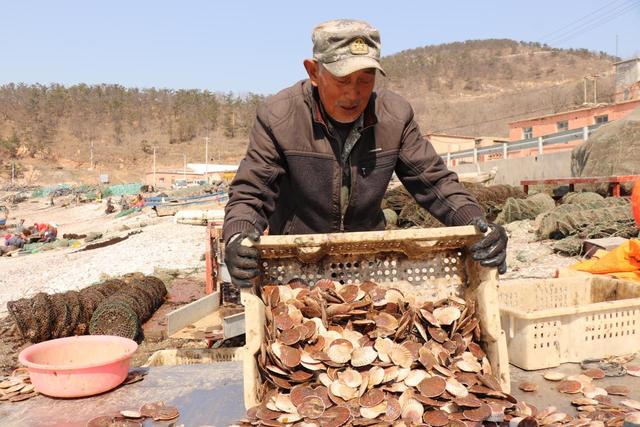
(49, 234)
(14, 242)
(110, 208)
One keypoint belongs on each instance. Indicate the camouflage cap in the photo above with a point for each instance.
(346, 45)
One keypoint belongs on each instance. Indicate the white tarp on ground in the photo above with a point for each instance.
(212, 168)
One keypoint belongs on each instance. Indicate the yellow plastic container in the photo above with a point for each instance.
(569, 319)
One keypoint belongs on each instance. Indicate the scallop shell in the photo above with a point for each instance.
(313, 366)
(594, 373)
(401, 356)
(554, 376)
(283, 403)
(131, 414)
(372, 398)
(383, 346)
(376, 376)
(582, 379)
(394, 296)
(415, 376)
(412, 411)
(363, 356)
(618, 390)
(394, 409)
(633, 404)
(436, 417)
(554, 418)
(396, 388)
(468, 366)
(402, 374)
(390, 374)
(447, 315)
(386, 320)
(456, 388)
(324, 379)
(350, 377)
(373, 411)
(352, 336)
(340, 353)
(432, 387)
(528, 387)
(343, 391)
(312, 407)
(591, 391)
(633, 370)
(289, 418)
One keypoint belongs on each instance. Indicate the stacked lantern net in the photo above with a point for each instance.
(362, 355)
(45, 316)
(125, 311)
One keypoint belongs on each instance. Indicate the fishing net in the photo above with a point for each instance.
(410, 214)
(547, 222)
(141, 296)
(584, 197)
(73, 302)
(44, 316)
(572, 245)
(613, 149)
(61, 314)
(115, 318)
(230, 293)
(529, 208)
(559, 224)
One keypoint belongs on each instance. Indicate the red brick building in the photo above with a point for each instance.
(627, 99)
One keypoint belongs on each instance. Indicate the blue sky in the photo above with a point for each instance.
(259, 45)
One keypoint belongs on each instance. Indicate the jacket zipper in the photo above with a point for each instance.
(349, 198)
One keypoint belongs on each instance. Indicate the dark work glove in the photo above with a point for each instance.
(242, 261)
(491, 250)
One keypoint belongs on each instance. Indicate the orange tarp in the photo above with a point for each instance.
(623, 262)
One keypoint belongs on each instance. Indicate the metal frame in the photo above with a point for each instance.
(614, 180)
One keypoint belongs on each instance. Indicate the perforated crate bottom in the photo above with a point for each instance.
(439, 274)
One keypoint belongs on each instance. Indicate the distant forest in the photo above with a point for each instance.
(33, 117)
(467, 88)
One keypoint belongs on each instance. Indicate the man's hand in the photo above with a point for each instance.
(242, 261)
(491, 250)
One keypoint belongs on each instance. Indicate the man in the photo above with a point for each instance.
(321, 154)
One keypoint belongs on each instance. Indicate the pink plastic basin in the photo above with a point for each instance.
(78, 366)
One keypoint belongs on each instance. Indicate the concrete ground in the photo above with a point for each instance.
(212, 395)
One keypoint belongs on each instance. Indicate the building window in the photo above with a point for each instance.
(527, 133)
(601, 119)
(562, 125)
(161, 179)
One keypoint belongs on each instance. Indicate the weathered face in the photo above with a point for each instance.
(343, 98)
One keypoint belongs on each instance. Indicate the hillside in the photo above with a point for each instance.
(471, 88)
(476, 87)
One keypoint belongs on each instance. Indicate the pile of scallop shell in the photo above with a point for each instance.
(596, 405)
(16, 387)
(361, 355)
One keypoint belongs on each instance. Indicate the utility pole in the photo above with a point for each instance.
(595, 88)
(91, 156)
(184, 168)
(616, 45)
(584, 85)
(13, 172)
(206, 159)
(154, 168)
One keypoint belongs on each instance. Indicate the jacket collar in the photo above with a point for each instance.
(312, 98)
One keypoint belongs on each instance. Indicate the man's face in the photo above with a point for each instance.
(343, 98)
